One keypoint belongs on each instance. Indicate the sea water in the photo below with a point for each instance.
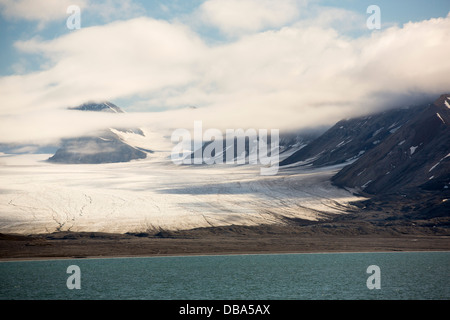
(336, 276)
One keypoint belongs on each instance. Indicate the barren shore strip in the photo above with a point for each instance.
(219, 241)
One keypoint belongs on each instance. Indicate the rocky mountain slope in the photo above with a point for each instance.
(416, 155)
(106, 147)
(288, 144)
(349, 139)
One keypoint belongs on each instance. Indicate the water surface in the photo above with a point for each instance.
(403, 275)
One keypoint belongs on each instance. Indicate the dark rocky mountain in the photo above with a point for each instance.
(349, 139)
(103, 106)
(104, 147)
(417, 155)
(289, 142)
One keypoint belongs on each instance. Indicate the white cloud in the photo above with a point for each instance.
(234, 17)
(110, 10)
(106, 62)
(293, 77)
(45, 11)
(341, 20)
(37, 10)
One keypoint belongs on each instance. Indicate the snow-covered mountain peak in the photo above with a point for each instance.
(102, 106)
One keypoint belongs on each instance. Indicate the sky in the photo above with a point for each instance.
(263, 64)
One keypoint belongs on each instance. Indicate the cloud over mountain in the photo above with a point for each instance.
(279, 73)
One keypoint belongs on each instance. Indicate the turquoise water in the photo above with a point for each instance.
(339, 276)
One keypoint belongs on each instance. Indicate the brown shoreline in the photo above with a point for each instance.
(221, 241)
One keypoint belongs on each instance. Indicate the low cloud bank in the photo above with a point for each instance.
(288, 77)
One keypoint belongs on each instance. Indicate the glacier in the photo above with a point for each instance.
(37, 196)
